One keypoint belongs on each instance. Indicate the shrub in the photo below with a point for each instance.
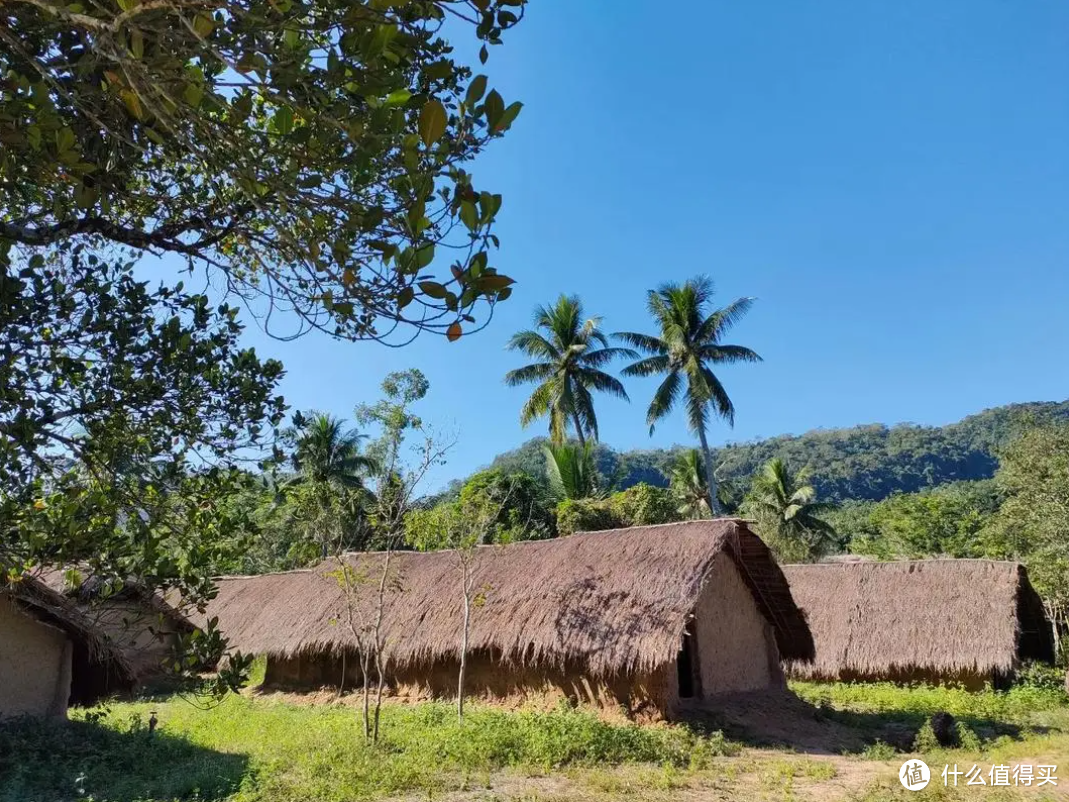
(639, 505)
(880, 751)
(926, 740)
(1041, 676)
(968, 739)
(643, 505)
(585, 515)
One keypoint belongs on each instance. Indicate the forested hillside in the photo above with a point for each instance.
(865, 463)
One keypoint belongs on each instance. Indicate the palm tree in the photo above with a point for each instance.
(787, 512)
(689, 343)
(571, 471)
(570, 352)
(690, 490)
(688, 485)
(326, 452)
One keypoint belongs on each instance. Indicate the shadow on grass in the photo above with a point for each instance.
(75, 759)
(781, 719)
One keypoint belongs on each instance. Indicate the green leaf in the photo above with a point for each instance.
(433, 289)
(398, 97)
(478, 264)
(203, 24)
(468, 215)
(283, 120)
(432, 120)
(476, 89)
(495, 281)
(193, 94)
(483, 54)
(424, 256)
(405, 297)
(495, 107)
(507, 117)
(64, 139)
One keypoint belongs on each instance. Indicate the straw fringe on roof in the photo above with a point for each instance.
(875, 619)
(131, 618)
(614, 601)
(42, 602)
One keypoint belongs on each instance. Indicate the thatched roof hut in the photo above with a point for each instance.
(52, 655)
(618, 603)
(137, 622)
(921, 619)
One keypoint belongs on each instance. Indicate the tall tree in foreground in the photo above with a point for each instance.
(126, 413)
(571, 352)
(787, 513)
(689, 342)
(310, 154)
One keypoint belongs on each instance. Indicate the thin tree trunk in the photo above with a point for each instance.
(378, 699)
(710, 480)
(378, 637)
(463, 654)
(364, 666)
(1052, 616)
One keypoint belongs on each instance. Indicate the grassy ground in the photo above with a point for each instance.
(267, 749)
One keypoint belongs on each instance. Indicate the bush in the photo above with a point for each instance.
(967, 739)
(585, 515)
(643, 505)
(639, 505)
(926, 740)
(1041, 676)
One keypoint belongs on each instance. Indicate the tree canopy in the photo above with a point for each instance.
(311, 154)
(126, 414)
(689, 342)
(571, 353)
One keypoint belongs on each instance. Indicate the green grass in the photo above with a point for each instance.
(261, 749)
(249, 750)
(1015, 705)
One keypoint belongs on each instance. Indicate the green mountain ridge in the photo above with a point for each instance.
(867, 462)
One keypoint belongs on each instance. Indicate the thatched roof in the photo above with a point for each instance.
(612, 602)
(38, 600)
(125, 614)
(878, 619)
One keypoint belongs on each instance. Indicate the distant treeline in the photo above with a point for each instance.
(862, 463)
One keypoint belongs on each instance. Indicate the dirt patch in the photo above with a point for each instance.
(779, 719)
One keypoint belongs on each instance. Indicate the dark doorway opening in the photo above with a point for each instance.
(687, 668)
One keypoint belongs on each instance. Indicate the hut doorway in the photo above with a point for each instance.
(687, 671)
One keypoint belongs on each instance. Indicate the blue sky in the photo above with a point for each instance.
(891, 180)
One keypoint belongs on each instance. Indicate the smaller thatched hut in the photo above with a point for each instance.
(646, 619)
(51, 655)
(968, 621)
(139, 623)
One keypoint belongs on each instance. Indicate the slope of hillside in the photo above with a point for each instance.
(868, 462)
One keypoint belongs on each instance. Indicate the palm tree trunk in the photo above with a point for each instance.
(578, 427)
(710, 480)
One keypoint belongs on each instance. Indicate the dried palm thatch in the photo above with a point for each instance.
(945, 617)
(614, 602)
(132, 619)
(40, 601)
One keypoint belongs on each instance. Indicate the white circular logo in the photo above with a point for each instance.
(914, 775)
